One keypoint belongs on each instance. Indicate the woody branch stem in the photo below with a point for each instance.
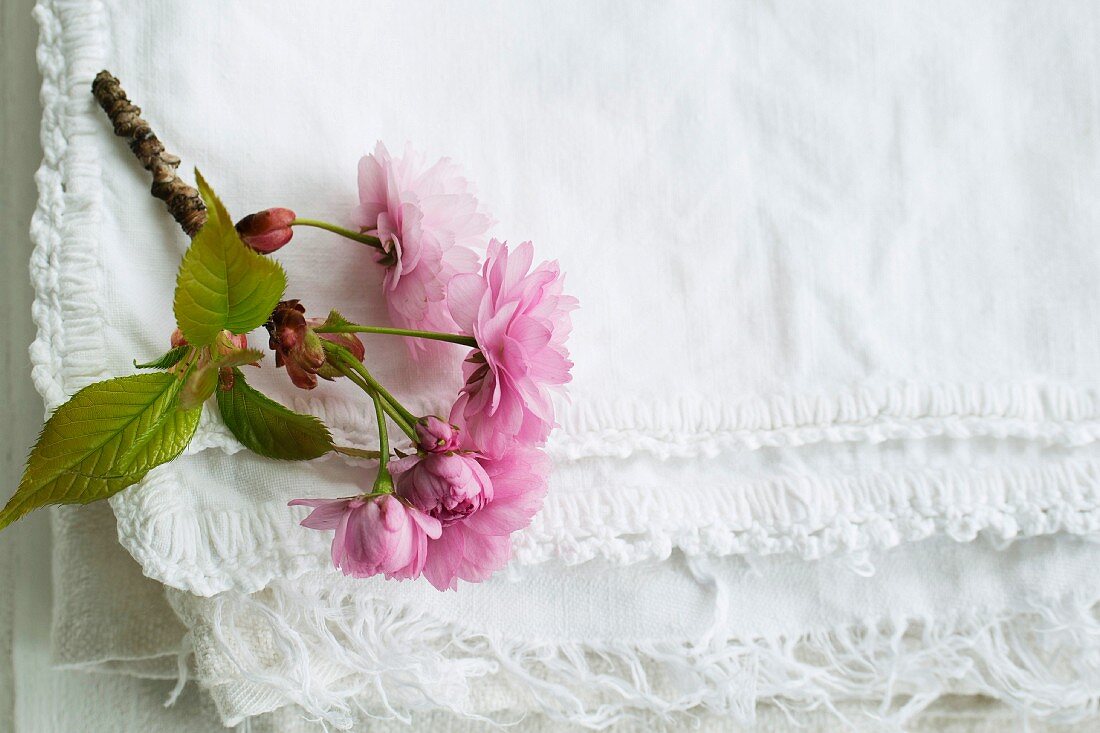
(183, 201)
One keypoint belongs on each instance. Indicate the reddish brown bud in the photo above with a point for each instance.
(349, 341)
(295, 344)
(267, 230)
(178, 339)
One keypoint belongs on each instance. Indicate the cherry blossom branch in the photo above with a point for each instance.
(183, 201)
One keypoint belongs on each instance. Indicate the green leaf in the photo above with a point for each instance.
(107, 437)
(336, 323)
(222, 284)
(168, 360)
(372, 455)
(242, 357)
(269, 429)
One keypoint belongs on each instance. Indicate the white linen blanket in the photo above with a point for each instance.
(835, 266)
(779, 236)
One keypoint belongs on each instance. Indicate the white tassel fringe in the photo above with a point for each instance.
(357, 655)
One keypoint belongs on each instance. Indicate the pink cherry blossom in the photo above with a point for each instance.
(448, 486)
(428, 221)
(479, 501)
(374, 534)
(520, 319)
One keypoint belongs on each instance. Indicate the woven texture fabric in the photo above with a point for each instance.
(782, 239)
(835, 350)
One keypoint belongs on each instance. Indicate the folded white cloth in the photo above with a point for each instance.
(968, 625)
(107, 617)
(837, 290)
(786, 228)
(597, 643)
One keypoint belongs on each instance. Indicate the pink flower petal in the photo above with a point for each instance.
(483, 555)
(326, 514)
(444, 557)
(428, 220)
(464, 293)
(519, 487)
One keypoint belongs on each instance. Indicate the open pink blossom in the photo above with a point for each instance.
(479, 501)
(428, 221)
(374, 534)
(520, 319)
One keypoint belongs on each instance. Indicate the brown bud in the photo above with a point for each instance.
(296, 346)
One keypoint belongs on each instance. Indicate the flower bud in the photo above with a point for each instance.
(435, 435)
(349, 341)
(178, 339)
(226, 379)
(267, 230)
(295, 344)
(200, 384)
(228, 342)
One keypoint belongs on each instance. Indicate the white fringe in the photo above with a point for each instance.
(357, 655)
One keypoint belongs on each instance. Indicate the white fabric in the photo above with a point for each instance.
(596, 644)
(41, 698)
(837, 290)
(786, 225)
(107, 617)
(967, 600)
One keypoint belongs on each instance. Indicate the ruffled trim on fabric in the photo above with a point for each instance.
(1048, 413)
(810, 516)
(366, 657)
(65, 263)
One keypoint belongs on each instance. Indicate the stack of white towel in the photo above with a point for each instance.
(831, 452)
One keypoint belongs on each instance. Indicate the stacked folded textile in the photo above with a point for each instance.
(831, 451)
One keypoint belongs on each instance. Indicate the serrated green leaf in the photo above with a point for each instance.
(372, 455)
(242, 357)
(107, 437)
(168, 360)
(335, 323)
(222, 284)
(267, 428)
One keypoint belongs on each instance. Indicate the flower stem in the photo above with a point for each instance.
(354, 370)
(383, 433)
(397, 418)
(382, 391)
(348, 233)
(453, 338)
(383, 483)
